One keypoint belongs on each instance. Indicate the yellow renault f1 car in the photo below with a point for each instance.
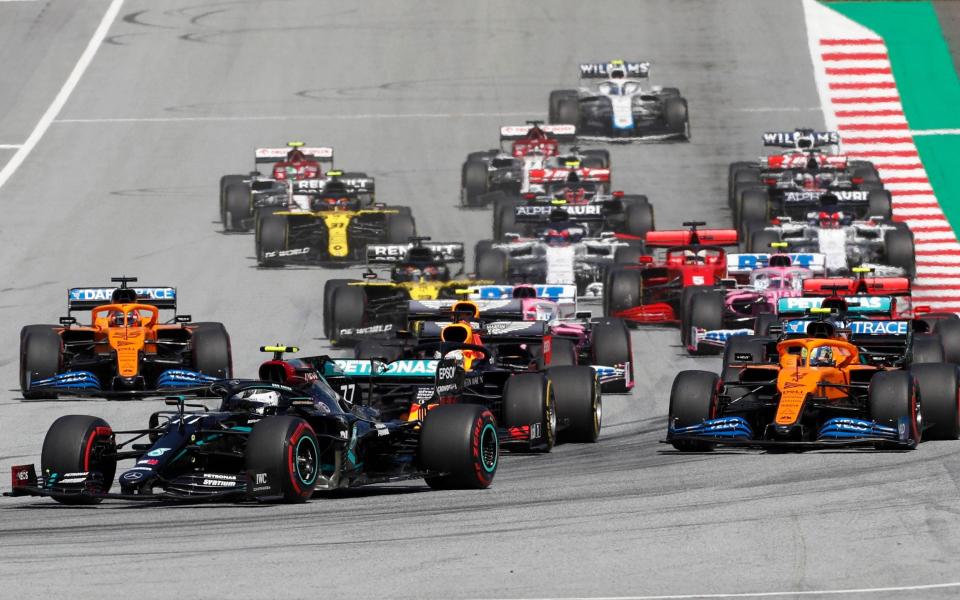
(326, 221)
(419, 270)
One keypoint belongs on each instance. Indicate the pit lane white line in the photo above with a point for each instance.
(858, 591)
(64, 94)
(935, 132)
(9, 146)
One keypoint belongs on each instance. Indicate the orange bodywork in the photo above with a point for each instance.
(130, 330)
(799, 378)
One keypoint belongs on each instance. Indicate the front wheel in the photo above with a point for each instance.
(212, 354)
(459, 447)
(79, 444)
(40, 358)
(579, 405)
(528, 402)
(693, 400)
(272, 239)
(894, 400)
(284, 451)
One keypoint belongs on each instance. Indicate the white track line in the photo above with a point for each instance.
(61, 99)
(935, 132)
(350, 117)
(9, 146)
(880, 590)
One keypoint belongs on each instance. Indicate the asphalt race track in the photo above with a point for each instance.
(124, 182)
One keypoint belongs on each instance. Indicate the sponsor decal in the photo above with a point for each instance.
(158, 451)
(757, 261)
(742, 356)
(879, 327)
(23, 474)
(397, 368)
(97, 294)
(535, 431)
(571, 209)
(260, 478)
(284, 253)
(148, 461)
(779, 138)
(381, 429)
(133, 475)
(218, 483)
(348, 331)
(842, 196)
(631, 69)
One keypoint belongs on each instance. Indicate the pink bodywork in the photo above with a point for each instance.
(770, 294)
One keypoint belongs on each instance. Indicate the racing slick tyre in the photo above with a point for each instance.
(563, 352)
(693, 399)
(760, 240)
(742, 349)
(41, 351)
(347, 308)
(629, 255)
(899, 251)
(211, 353)
(675, 115)
(622, 291)
(865, 171)
(763, 322)
(578, 402)
(564, 107)
(880, 204)
(400, 228)
(926, 348)
(638, 219)
(474, 181)
(368, 349)
(892, 396)
(285, 449)
(459, 447)
(596, 159)
(937, 384)
(744, 179)
(225, 182)
(272, 239)
(949, 332)
(753, 206)
(611, 346)
(529, 402)
(706, 312)
(734, 170)
(237, 210)
(79, 444)
(329, 287)
(492, 265)
(505, 219)
(686, 298)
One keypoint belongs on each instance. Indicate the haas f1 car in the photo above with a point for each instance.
(275, 439)
(125, 350)
(620, 107)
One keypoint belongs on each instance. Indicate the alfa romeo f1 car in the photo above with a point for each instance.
(125, 350)
(324, 221)
(239, 193)
(619, 107)
(813, 392)
(267, 441)
(502, 173)
(792, 183)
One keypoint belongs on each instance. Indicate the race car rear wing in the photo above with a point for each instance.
(684, 237)
(543, 213)
(856, 305)
(272, 155)
(88, 298)
(563, 174)
(738, 264)
(602, 70)
(515, 132)
(546, 292)
(387, 254)
(847, 286)
(788, 139)
(433, 309)
(319, 186)
(498, 330)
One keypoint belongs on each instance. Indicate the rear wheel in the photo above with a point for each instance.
(742, 349)
(285, 449)
(505, 220)
(754, 207)
(949, 332)
(693, 400)
(579, 405)
(400, 228)
(225, 182)
(622, 291)
(528, 401)
(639, 219)
(880, 205)
(629, 255)
(348, 307)
(492, 265)
(893, 396)
(474, 181)
(596, 159)
(372, 349)
(329, 287)
(79, 444)
(938, 386)
(706, 312)
(211, 352)
(899, 250)
(734, 171)
(40, 358)
(611, 346)
(760, 240)
(563, 352)
(675, 115)
(564, 107)
(237, 209)
(459, 447)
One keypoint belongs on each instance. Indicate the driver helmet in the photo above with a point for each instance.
(405, 273)
(296, 155)
(822, 357)
(121, 319)
(256, 400)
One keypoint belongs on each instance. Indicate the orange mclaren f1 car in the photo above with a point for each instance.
(125, 351)
(810, 392)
